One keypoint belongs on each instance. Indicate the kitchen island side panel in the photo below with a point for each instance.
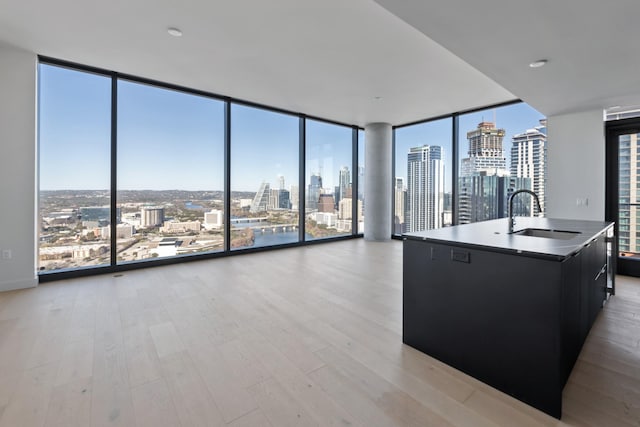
(494, 316)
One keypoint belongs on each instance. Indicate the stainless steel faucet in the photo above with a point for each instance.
(510, 211)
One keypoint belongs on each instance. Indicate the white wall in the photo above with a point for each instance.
(17, 167)
(576, 165)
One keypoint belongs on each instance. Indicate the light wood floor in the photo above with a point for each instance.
(308, 336)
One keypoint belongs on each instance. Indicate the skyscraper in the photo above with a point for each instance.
(486, 153)
(294, 196)
(284, 201)
(529, 160)
(425, 188)
(260, 202)
(484, 185)
(344, 182)
(629, 184)
(313, 192)
(399, 206)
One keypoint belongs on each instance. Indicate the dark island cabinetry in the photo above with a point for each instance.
(512, 318)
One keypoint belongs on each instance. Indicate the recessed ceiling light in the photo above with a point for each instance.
(539, 63)
(175, 32)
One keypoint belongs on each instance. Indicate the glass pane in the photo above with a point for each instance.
(361, 208)
(264, 177)
(422, 186)
(170, 173)
(328, 180)
(628, 188)
(488, 174)
(74, 168)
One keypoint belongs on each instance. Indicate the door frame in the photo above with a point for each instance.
(613, 129)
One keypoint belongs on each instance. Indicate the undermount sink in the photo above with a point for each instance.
(547, 234)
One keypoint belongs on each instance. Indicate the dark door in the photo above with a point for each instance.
(623, 191)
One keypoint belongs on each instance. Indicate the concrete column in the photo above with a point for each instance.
(377, 181)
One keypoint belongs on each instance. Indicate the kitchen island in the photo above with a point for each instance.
(510, 309)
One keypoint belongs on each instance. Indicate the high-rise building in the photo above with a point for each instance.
(294, 197)
(486, 153)
(313, 191)
(529, 160)
(485, 185)
(281, 182)
(284, 197)
(629, 184)
(151, 216)
(481, 192)
(344, 182)
(399, 205)
(274, 199)
(483, 197)
(261, 200)
(345, 210)
(425, 188)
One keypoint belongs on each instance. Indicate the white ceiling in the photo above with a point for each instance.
(332, 58)
(593, 46)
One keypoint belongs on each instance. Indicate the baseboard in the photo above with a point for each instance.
(18, 284)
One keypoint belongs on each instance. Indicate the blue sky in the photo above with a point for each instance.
(515, 119)
(171, 140)
(75, 129)
(174, 140)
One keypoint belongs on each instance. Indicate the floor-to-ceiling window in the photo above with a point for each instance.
(329, 191)
(132, 172)
(74, 168)
(423, 177)
(462, 168)
(264, 177)
(361, 203)
(501, 150)
(623, 190)
(170, 173)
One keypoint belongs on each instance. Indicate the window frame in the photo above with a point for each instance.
(455, 154)
(114, 266)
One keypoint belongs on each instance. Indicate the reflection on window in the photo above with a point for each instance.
(329, 192)
(170, 173)
(74, 147)
(489, 173)
(264, 178)
(422, 186)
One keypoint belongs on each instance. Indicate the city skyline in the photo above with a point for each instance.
(485, 183)
(514, 118)
(484, 179)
